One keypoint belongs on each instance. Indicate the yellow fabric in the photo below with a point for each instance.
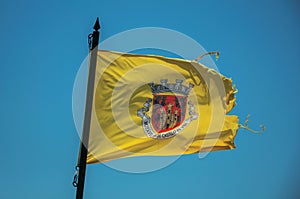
(121, 88)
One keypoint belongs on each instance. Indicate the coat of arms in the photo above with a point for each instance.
(169, 106)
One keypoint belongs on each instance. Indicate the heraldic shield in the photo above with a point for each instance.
(168, 112)
(169, 107)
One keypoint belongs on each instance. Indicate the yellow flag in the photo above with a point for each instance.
(146, 105)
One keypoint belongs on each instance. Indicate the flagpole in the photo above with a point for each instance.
(93, 39)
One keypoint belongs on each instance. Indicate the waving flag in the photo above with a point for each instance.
(146, 105)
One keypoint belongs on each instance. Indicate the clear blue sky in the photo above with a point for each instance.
(43, 44)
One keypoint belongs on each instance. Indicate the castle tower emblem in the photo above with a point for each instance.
(169, 107)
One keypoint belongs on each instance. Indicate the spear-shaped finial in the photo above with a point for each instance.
(97, 24)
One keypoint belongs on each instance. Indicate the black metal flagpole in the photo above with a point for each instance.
(93, 39)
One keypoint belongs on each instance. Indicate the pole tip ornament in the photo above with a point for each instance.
(97, 24)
